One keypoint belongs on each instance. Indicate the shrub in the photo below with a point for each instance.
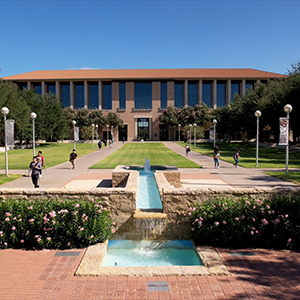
(53, 224)
(247, 222)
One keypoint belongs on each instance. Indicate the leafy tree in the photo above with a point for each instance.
(114, 120)
(170, 116)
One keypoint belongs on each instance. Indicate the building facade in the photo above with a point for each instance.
(140, 96)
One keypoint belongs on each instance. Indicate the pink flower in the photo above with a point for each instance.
(52, 214)
(8, 214)
(237, 218)
(193, 229)
(53, 222)
(75, 213)
(251, 232)
(82, 228)
(13, 228)
(22, 241)
(39, 239)
(77, 205)
(224, 222)
(92, 200)
(69, 243)
(253, 228)
(217, 223)
(31, 220)
(100, 211)
(7, 219)
(114, 223)
(253, 219)
(286, 216)
(265, 222)
(189, 213)
(113, 230)
(1, 233)
(289, 240)
(30, 207)
(5, 244)
(91, 237)
(277, 220)
(49, 239)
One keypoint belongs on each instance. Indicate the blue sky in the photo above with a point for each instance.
(62, 35)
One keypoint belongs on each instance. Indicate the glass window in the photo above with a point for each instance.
(122, 95)
(51, 88)
(65, 94)
(93, 96)
(178, 94)
(206, 93)
(143, 95)
(235, 88)
(192, 93)
(79, 95)
(221, 94)
(22, 85)
(37, 87)
(107, 95)
(163, 95)
(249, 85)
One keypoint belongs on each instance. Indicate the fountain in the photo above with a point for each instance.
(147, 165)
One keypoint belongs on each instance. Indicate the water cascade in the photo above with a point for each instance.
(147, 165)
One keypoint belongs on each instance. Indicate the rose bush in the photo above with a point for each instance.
(247, 222)
(56, 224)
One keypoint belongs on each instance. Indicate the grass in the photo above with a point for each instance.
(268, 157)
(4, 179)
(136, 154)
(291, 176)
(54, 154)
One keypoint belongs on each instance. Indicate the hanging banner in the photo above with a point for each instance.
(284, 132)
(76, 134)
(9, 133)
(211, 133)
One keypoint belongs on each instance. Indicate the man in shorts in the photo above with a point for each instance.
(73, 157)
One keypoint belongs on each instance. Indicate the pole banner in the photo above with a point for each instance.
(10, 139)
(284, 133)
(76, 134)
(211, 133)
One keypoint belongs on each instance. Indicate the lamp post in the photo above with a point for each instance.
(33, 117)
(190, 135)
(112, 133)
(257, 115)
(179, 132)
(97, 132)
(174, 132)
(215, 124)
(287, 108)
(5, 112)
(107, 133)
(93, 127)
(74, 123)
(195, 125)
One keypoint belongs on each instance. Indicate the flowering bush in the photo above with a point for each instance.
(56, 224)
(247, 222)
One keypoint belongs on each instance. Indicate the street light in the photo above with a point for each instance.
(107, 133)
(93, 127)
(97, 132)
(190, 134)
(257, 115)
(287, 108)
(112, 133)
(174, 132)
(5, 112)
(179, 132)
(195, 125)
(74, 123)
(215, 124)
(33, 116)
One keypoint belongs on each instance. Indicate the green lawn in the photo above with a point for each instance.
(132, 154)
(291, 176)
(4, 179)
(267, 158)
(54, 154)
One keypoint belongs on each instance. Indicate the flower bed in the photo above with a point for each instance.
(55, 224)
(247, 222)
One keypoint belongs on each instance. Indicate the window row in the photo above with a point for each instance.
(143, 93)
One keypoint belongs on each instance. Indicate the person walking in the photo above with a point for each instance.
(34, 170)
(217, 157)
(99, 145)
(187, 150)
(236, 157)
(42, 159)
(73, 157)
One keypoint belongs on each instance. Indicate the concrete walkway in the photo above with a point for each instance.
(229, 176)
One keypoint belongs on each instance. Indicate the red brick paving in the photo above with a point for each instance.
(41, 275)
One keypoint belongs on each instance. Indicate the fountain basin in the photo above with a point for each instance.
(127, 253)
